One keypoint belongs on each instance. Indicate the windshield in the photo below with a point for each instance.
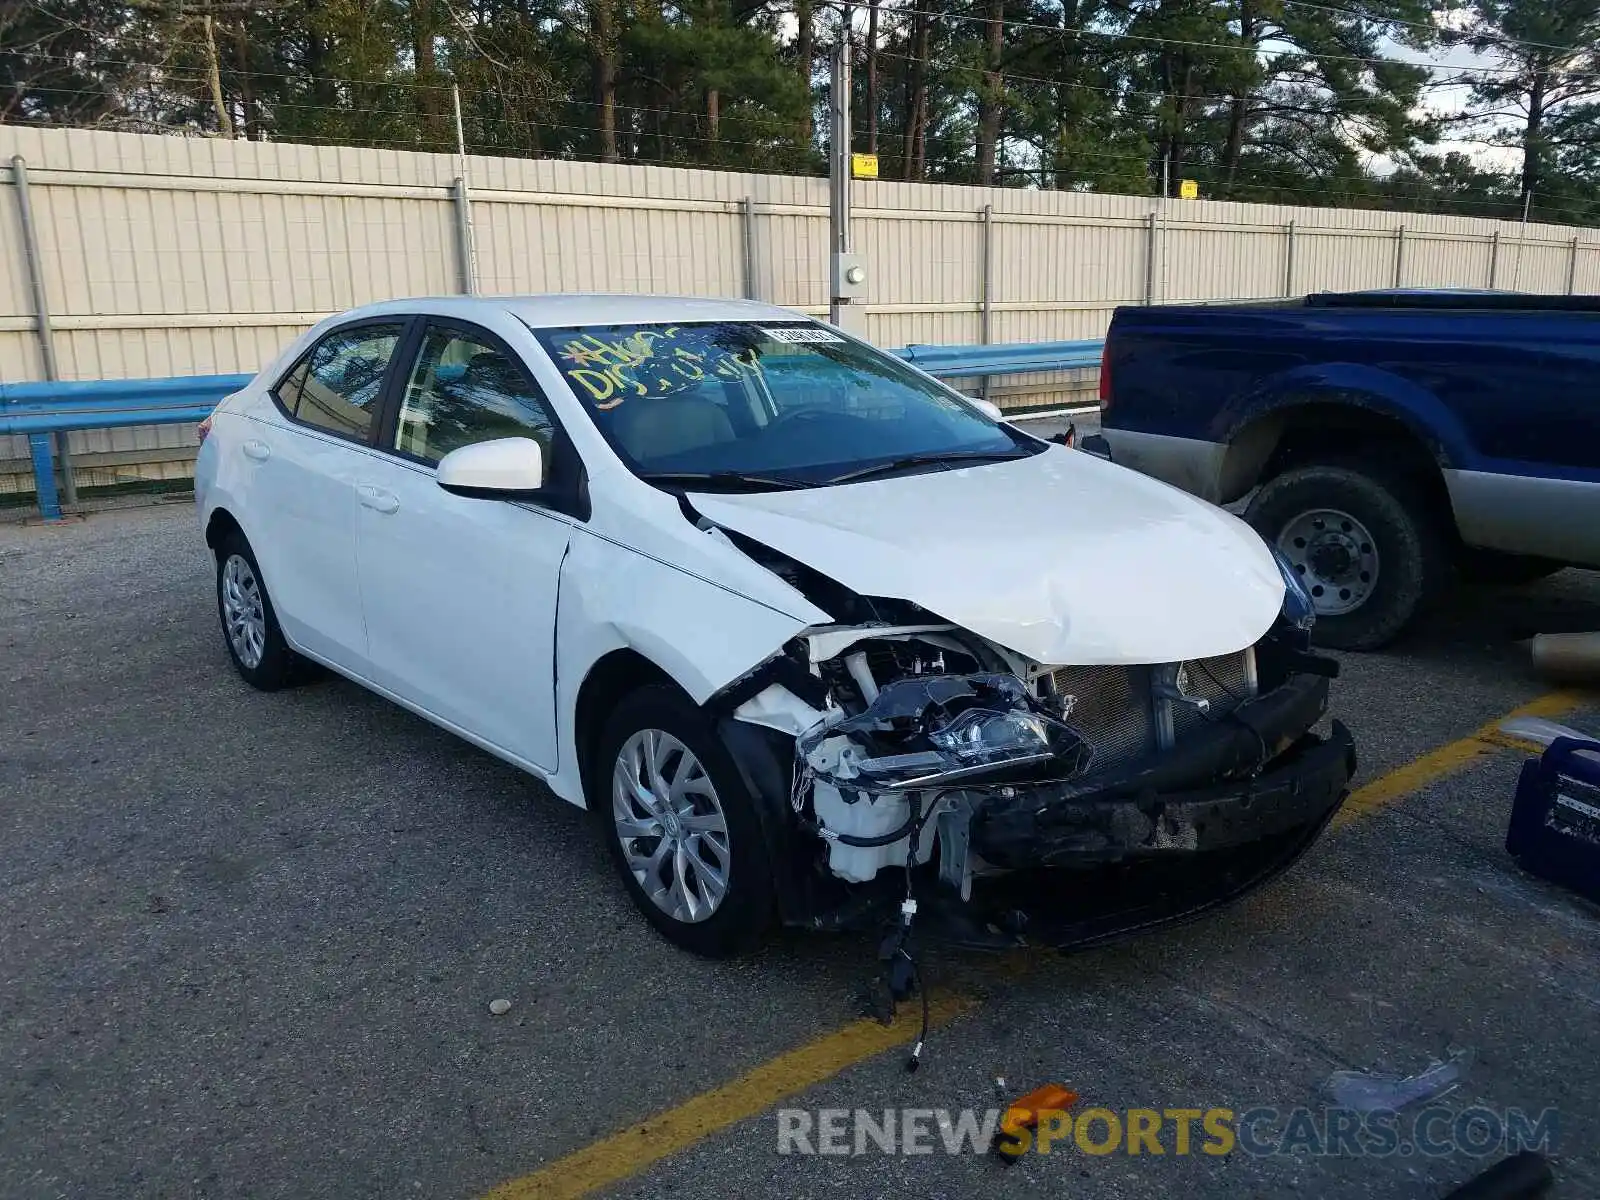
(765, 404)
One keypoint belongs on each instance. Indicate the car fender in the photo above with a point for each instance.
(701, 634)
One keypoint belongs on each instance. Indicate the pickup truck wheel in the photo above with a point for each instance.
(680, 825)
(1364, 542)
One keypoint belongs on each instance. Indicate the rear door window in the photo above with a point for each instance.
(337, 387)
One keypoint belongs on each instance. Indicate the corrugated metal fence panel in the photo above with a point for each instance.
(168, 255)
(1587, 274)
(795, 258)
(953, 327)
(1027, 324)
(1433, 261)
(1216, 263)
(578, 248)
(922, 260)
(1038, 262)
(1342, 261)
(1534, 266)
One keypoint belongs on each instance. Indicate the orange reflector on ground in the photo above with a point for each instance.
(1023, 1116)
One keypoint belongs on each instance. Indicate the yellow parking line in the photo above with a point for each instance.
(615, 1158)
(1448, 759)
(626, 1153)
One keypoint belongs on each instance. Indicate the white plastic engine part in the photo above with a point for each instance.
(870, 816)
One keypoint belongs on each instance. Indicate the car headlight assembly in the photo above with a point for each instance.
(1298, 609)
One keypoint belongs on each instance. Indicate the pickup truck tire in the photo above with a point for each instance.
(1360, 525)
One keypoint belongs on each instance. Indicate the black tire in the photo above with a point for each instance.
(747, 907)
(278, 666)
(1497, 567)
(1411, 549)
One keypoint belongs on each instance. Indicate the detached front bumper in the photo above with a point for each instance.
(1256, 774)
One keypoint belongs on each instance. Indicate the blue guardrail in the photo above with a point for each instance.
(38, 410)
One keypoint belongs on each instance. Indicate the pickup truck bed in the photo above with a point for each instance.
(1393, 441)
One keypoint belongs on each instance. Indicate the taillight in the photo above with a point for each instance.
(1105, 376)
(205, 427)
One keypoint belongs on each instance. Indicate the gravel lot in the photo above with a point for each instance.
(252, 940)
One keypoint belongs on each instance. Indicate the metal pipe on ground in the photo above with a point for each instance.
(1570, 657)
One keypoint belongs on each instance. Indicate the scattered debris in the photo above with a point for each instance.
(1523, 1176)
(1366, 1091)
(1539, 731)
(499, 1008)
(1022, 1117)
(1567, 656)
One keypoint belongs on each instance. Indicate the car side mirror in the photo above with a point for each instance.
(988, 407)
(503, 469)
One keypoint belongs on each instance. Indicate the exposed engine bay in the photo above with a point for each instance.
(921, 745)
(919, 723)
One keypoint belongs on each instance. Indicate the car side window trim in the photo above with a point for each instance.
(407, 324)
(568, 489)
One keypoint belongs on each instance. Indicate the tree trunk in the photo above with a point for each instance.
(1239, 106)
(872, 76)
(214, 77)
(713, 115)
(1237, 110)
(1532, 138)
(603, 73)
(322, 90)
(805, 60)
(991, 93)
(916, 142)
(248, 108)
(430, 106)
(1171, 163)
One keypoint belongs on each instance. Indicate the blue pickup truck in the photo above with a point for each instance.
(1390, 442)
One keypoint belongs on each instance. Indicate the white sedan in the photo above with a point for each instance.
(818, 639)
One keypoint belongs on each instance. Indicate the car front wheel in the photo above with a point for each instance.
(680, 824)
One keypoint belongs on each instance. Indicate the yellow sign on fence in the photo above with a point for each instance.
(864, 166)
(1188, 189)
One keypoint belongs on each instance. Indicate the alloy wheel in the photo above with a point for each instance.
(671, 826)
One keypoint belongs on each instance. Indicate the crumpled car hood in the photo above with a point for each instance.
(1061, 557)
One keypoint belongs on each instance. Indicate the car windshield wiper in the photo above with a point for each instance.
(908, 461)
(723, 479)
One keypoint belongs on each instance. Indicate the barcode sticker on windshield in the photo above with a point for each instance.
(804, 333)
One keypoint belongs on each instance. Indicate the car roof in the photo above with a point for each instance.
(560, 309)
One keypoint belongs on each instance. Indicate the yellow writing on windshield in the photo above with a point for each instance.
(648, 362)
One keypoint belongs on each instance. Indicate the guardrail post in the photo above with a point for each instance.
(1399, 256)
(747, 239)
(44, 476)
(1494, 259)
(1150, 259)
(1288, 259)
(1572, 266)
(47, 348)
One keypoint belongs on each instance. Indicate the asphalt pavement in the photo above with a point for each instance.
(251, 943)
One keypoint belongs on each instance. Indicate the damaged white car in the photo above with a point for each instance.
(817, 639)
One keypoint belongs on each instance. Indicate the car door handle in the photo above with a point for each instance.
(377, 499)
(257, 450)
